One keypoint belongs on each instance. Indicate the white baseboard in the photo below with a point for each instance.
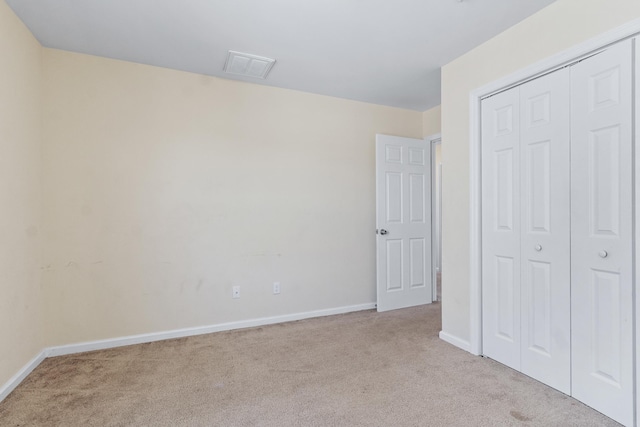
(21, 375)
(453, 340)
(159, 336)
(199, 330)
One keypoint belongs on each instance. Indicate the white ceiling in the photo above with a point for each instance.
(385, 52)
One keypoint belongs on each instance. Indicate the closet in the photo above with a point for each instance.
(557, 271)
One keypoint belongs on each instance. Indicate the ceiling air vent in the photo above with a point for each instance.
(244, 64)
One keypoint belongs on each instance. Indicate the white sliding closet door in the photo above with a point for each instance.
(546, 239)
(501, 227)
(601, 227)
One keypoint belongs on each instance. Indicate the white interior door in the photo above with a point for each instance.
(601, 227)
(526, 229)
(501, 227)
(545, 233)
(403, 221)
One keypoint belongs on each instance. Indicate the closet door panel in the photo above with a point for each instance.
(545, 207)
(501, 227)
(601, 226)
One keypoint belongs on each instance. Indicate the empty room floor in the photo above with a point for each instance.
(356, 369)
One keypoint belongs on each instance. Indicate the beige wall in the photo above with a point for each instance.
(431, 121)
(20, 195)
(554, 29)
(163, 189)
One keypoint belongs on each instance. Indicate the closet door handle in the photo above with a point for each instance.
(538, 248)
(603, 254)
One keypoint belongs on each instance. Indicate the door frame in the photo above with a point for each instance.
(538, 69)
(433, 141)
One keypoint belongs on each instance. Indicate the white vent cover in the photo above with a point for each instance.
(244, 64)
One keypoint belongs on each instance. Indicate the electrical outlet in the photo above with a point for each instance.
(276, 288)
(236, 292)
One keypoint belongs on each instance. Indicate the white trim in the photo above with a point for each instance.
(63, 350)
(561, 59)
(475, 228)
(556, 61)
(14, 381)
(198, 330)
(636, 206)
(434, 140)
(453, 340)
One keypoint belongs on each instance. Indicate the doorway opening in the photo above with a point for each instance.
(435, 143)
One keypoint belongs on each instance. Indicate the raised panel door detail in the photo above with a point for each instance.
(604, 89)
(501, 226)
(503, 120)
(395, 260)
(544, 198)
(538, 191)
(605, 327)
(416, 194)
(539, 110)
(540, 309)
(604, 181)
(416, 249)
(503, 182)
(416, 156)
(394, 197)
(505, 287)
(602, 229)
(403, 249)
(393, 154)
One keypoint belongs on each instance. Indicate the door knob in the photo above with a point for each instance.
(603, 254)
(383, 231)
(538, 248)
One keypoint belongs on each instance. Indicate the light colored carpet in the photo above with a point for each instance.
(357, 369)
